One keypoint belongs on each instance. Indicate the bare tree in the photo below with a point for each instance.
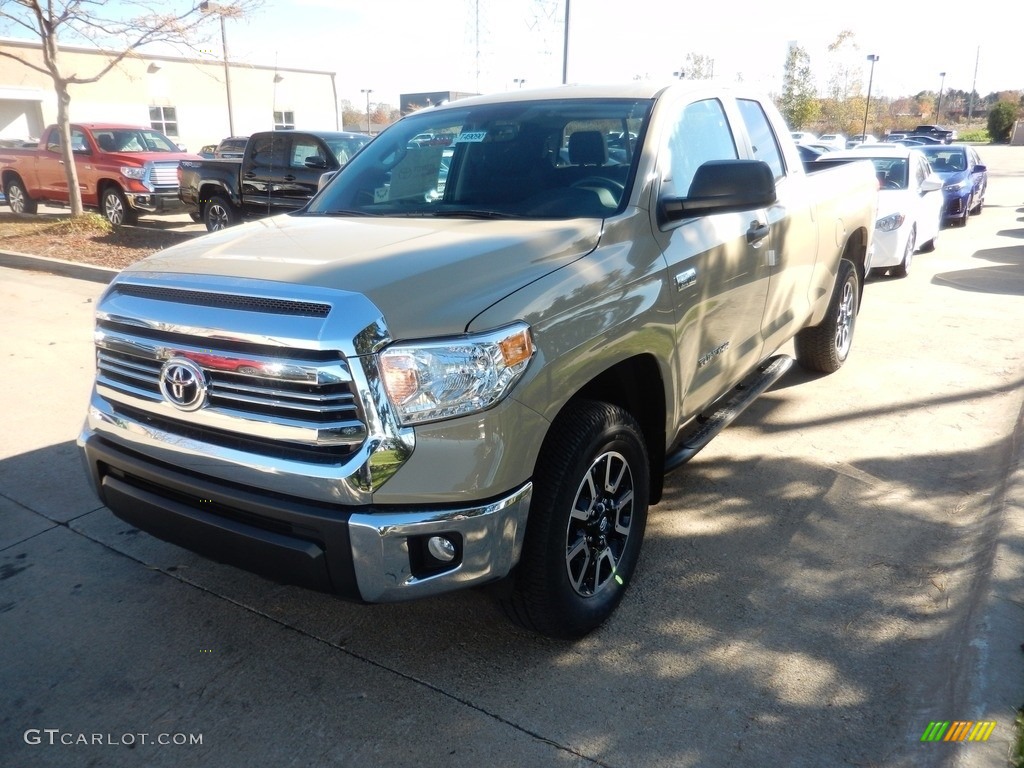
(115, 31)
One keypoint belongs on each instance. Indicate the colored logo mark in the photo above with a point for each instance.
(958, 730)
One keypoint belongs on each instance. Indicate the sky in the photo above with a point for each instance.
(408, 46)
(479, 46)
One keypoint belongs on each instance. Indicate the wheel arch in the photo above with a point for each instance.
(635, 385)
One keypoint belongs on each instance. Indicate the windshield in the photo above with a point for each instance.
(945, 160)
(891, 172)
(134, 140)
(535, 159)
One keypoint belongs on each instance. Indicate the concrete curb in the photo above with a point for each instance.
(90, 272)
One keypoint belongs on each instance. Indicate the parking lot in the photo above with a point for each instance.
(839, 568)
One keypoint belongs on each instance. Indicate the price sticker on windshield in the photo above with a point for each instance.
(470, 136)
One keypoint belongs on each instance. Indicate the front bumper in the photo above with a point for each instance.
(369, 554)
(162, 203)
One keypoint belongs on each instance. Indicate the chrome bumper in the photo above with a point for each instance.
(491, 539)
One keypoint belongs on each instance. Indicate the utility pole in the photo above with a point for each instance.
(565, 47)
(970, 99)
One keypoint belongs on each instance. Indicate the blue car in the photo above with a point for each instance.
(964, 180)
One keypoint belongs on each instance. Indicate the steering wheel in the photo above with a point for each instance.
(613, 186)
(891, 185)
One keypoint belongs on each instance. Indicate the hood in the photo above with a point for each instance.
(427, 276)
(140, 158)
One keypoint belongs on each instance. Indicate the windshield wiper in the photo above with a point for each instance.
(473, 213)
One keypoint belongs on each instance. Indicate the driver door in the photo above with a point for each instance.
(718, 275)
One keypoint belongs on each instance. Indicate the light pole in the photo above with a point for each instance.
(367, 91)
(222, 11)
(872, 58)
(938, 106)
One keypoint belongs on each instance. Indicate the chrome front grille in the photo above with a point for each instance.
(164, 175)
(271, 396)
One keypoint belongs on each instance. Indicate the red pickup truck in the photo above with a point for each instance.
(124, 171)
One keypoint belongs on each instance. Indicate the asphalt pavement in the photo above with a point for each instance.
(837, 570)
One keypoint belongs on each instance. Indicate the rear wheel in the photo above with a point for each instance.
(586, 524)
(115, 207)
(219, 213)
(18, 199)
(826, 346)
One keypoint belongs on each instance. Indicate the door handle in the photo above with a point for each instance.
(250, 175)
(289, 177)
(757, 232)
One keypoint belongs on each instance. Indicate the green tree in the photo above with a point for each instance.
(109, 28)
(1001, 119)
(798, 102)
(843, 104)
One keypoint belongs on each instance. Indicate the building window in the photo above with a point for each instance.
(164, 119)
(283, 120)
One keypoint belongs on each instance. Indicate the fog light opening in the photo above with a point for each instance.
(441, 549)
(435, 553)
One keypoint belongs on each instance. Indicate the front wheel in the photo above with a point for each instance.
(903, 268)
(115, 207)
(18, 198)
(826, 346)
(586, 523)
(219, 213)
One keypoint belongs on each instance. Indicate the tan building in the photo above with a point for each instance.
(185, 98)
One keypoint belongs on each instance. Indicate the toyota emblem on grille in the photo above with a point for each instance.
(183, 384)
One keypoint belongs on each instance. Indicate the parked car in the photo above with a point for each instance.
(833, 140)
(860, 138)
(895, 136)
(943, 135)
(123, 170)
(231, 148)
(909, 204)
(804, 137)
(207, 151)
(279, 172)
(964, 180)
(437, 376)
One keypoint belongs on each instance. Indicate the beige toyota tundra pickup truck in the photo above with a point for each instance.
(473, 359)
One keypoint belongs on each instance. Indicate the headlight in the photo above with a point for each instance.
(436, 380)
(890, 222)
(958, 186)
(132, 172)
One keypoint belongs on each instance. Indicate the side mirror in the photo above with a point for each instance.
(315, 161)
(723, 186)
(324, 179)
(932, 183)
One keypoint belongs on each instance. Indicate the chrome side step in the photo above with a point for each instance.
(708, 426)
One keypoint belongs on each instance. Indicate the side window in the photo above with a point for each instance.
(766, 147)
(303, 149)
(921, 171)
(700, 134)
(78, 142)
(270, 151)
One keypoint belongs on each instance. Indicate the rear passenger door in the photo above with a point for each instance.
(718, 275)
(790, 252)
(263, 153)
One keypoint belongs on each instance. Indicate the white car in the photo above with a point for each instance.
(909, 204)
(834, 140)
(804, 137)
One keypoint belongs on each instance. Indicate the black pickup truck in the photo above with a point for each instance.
(945, 135)
(279, 172)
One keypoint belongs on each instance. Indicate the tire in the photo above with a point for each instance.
(903, 268)
(586, 524)
(826, 346)
(219, 213)
(115, 207)
(18, 199)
